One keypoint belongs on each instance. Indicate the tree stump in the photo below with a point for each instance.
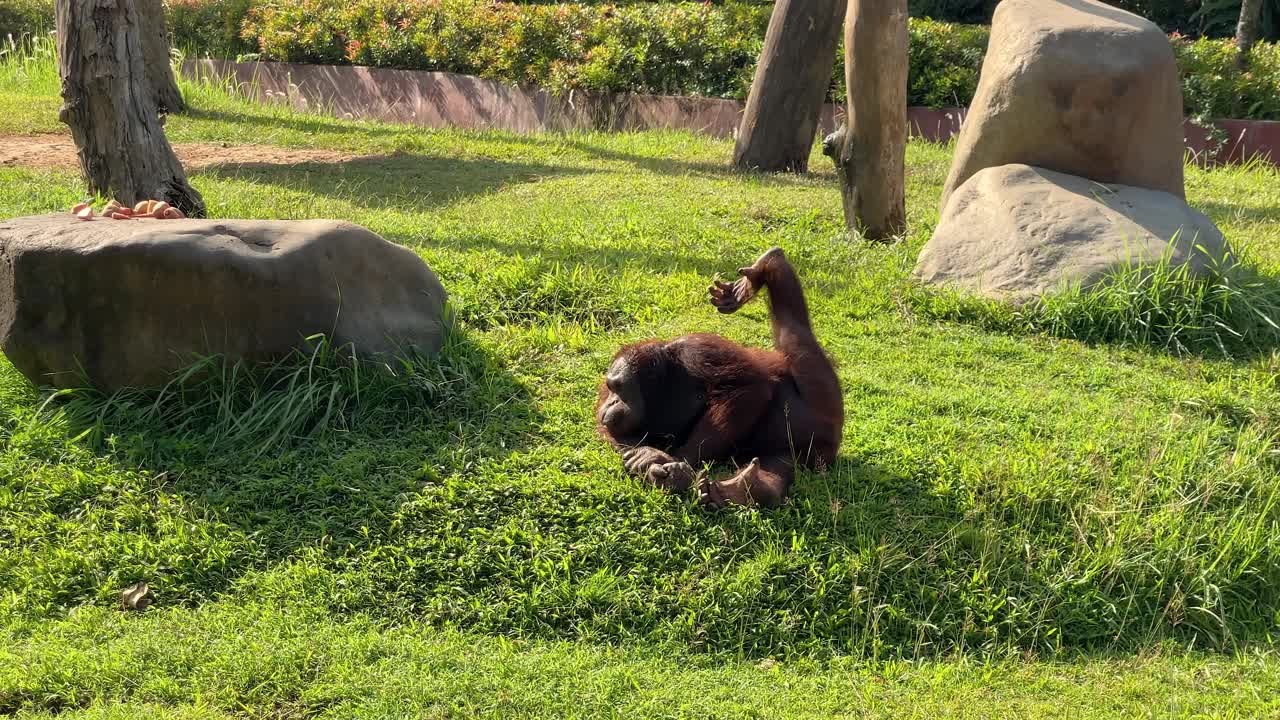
(110, 105)
(872, 159)
(155, 46)
(791, 81)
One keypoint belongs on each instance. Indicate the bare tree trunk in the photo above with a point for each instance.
(110, 105)
(155, 48)
(871, 164)
(791, 82)
(1247, 30)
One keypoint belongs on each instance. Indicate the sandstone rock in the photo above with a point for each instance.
(127, 303)
(1079, 87)
(1017, 232)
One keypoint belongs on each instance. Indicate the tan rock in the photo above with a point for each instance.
(1018, 232)
(1079, 87)
(129, 302)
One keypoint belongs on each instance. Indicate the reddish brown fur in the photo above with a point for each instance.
(773, 409)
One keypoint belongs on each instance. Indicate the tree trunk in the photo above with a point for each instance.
(791, 82)
(110, 105)
(155, 48)
(1247, 30)
(872, 159)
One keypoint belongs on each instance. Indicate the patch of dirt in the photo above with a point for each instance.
(57, 152)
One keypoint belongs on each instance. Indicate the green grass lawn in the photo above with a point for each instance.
(1019, 525)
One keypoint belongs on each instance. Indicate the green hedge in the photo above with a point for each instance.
(677, 48)
(685, 48)
(1210, 18)
(1195, 18)
(1213, 88)
(211, 27)
(671, 48)
(25, 16)
(1198, 18)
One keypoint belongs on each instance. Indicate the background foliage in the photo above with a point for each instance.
(22, 16)
(683, 48)
(1209, 18)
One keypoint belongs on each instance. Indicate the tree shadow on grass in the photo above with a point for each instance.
(819, 171)
(332, 481)
(865, 561)
(411, 183)
(676, 259)
(1236, 212)
(321, 127)
(585, 558)
(909, 567)
(316, 126)
(398, 181)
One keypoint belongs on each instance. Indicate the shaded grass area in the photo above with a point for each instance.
(997, 494)
(216, 408)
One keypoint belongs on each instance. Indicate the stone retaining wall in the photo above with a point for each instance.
(441, 99)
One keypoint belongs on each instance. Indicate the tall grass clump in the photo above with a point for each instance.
(1229, 311)
(231, 407)
(29, 64)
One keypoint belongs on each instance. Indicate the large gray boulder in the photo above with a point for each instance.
(1018, 232)
(127, 303)
(1079, 87)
